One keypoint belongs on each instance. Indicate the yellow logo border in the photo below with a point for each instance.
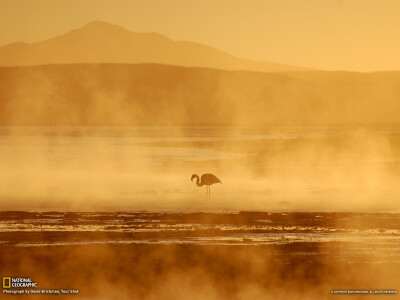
(4, 282)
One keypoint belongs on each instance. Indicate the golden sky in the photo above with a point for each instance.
(356, 35)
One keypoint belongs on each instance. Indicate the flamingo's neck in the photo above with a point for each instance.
(198, 183)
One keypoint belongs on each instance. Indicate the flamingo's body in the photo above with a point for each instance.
(207, 180)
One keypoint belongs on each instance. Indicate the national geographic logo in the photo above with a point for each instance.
(18, 282)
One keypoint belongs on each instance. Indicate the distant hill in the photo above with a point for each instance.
(151, 94)
(101, 42)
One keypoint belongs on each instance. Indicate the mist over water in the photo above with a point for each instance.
(149, 168)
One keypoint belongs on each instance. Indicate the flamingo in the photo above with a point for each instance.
(207, 180)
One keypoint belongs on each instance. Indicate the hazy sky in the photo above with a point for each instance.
(361, 35)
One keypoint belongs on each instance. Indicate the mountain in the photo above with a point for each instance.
(152, 94)
(101, 42)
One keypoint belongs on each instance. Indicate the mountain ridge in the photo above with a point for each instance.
(102, 42)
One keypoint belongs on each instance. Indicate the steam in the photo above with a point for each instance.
(183, 271)
(107, 168)
(76, 162)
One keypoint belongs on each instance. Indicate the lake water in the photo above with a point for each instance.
(297, 205)
(349, 237)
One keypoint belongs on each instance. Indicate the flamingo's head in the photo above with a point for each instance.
(193, 177)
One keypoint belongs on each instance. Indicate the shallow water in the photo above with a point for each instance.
(361, 236)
